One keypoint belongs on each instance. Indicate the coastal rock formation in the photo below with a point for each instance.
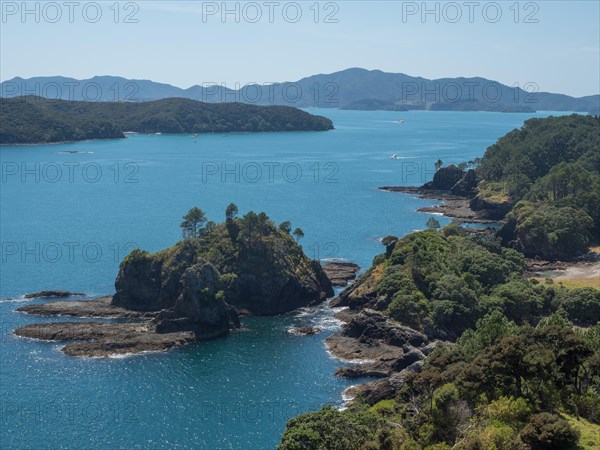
(368, 326)
(98, 307)
(445, 178)
(101, 339)
(306, 331)
(53, 294)
(340, 273)
(490, 209)
(199, 307)
(148, 282)
(261, 270)
(381, 346)
(467, 185)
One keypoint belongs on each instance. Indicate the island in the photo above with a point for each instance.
(31, 119)
(193, 291)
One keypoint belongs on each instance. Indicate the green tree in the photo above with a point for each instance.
(298, 234)
(192, 223)
(390, 243)
(286, 226)
(547, 431)
(432, 223)
(329, 429)
(231, 211)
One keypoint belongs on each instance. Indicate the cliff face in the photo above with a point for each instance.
(491, 209)
(445, 178)
(247, 263)
(454, 179)
(151, 282)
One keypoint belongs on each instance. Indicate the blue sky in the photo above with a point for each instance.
(555, 44)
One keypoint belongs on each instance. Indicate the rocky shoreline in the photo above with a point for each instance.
(191, 320)
(340, 273)
(53, 294)
(104, 339)
(377, 347)
(453, 206)
(96, 308)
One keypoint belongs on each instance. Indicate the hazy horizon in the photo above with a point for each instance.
(554, 44)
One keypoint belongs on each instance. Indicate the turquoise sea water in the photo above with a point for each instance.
(70, 212)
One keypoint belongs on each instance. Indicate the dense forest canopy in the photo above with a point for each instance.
(541, 144)
(550, 170)
(35, 119)
(502, 387)
(518, 372)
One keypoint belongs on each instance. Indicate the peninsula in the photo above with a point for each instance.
(467, 350)
(30, 120)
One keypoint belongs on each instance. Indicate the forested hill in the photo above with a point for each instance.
(550, 170)
(353, 88)
(27, 120)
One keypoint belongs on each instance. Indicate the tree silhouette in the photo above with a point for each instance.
(432, 223)
(298, 234)
(231, 211)
(286, 226)
(192, 223)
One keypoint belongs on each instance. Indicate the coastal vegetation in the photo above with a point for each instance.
(255, 266)
(502, 386)
(27, 120)
(516, 363)
(543, 178)
(443, 282)
(550, 171)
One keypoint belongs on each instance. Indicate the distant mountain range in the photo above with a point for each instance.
(348, 89)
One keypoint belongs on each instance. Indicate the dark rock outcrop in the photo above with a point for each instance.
(380, 346)
(467, 185)
(268, 286)
(340, 273)
(53, 294)
(369, 325)
(98, 307)
(306, 331)
(152, 282)
(490, 209)
(445, 178)
(199, 307)
(101, 339)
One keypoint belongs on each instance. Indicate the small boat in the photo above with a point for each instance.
(394, 156)
(401, 121)
(156, 134)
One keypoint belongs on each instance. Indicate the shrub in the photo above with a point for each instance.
(582, 305)
(329, 429)
(547, 431)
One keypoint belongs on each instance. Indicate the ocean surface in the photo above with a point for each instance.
(70, 212)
